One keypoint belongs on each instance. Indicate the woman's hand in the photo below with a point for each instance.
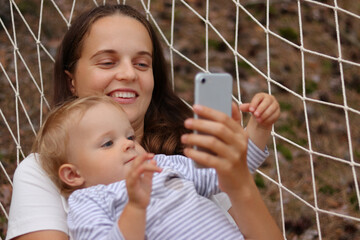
(228, 141)
(223, 136)
(139, 180)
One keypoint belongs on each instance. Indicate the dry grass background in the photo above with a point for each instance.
(335, 185)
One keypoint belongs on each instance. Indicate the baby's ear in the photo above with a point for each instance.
(70, 175)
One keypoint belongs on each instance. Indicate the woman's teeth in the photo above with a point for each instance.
(123, 95)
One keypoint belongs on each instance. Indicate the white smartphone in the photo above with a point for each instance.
(213, 90)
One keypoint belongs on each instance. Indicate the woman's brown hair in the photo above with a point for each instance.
(164, 119)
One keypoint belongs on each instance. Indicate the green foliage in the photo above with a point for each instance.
(177, 14)
(310, 86)
(273, 10)
(285, 152)
(354, 201)
(327, 189)
(244, 65)
(259, 181)
(356, 153)
(302, 142)
(217, 45)
(28, 6)
(285, 128)
(289, 33)
(289, 130)
(273, 197)
(327, 65)
(3, 221)
(285, 106)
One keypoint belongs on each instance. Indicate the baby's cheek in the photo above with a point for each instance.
(139, 149)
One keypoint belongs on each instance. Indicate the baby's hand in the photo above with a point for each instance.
(264, 108)
(139, 180)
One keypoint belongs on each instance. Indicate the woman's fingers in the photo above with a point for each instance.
(235, 111)
(224, 135)
(228, 163)
(221, 149)
(206, 159)
(216, 117)
(207, 142)
(222, 126)
(216, 129)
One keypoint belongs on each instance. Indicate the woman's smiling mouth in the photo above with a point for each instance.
(124, 96)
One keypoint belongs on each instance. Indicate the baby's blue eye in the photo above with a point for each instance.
(107, 144)
(132, 138)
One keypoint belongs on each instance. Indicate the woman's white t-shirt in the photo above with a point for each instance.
(36, 202)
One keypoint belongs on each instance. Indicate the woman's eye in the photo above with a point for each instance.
(107, 63)
(142, 64)
(107, 144)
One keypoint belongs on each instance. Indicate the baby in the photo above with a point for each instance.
(122, 192)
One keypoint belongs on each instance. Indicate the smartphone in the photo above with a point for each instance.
(213, 90)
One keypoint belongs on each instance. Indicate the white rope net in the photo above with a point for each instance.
(306, 53)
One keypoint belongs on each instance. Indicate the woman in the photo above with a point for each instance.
(113, 50)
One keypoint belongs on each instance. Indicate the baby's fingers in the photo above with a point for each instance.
(256, 101)
(270, 116)
(140, 166)
(245, 107)
(263, 106)
(140, 159)
(149, 170)
(149, 167)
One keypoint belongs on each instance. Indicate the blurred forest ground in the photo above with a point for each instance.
(334, 181)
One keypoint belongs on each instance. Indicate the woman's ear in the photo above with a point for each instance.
(70, 175)
(71, 82)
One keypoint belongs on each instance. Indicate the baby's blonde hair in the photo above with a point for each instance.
(53, 137)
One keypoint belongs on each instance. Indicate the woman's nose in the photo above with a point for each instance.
(125, 71)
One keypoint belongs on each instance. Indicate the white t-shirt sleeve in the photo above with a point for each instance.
(36, 202)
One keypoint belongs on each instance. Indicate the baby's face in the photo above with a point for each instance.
(102, 145)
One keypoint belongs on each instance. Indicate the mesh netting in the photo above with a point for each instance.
(305, 53)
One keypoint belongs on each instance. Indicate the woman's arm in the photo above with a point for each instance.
(44, 235)
(37, 209)
(229, 141)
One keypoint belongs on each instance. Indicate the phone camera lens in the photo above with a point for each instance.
(203, 80)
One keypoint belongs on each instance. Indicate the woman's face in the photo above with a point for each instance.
(116, 60)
